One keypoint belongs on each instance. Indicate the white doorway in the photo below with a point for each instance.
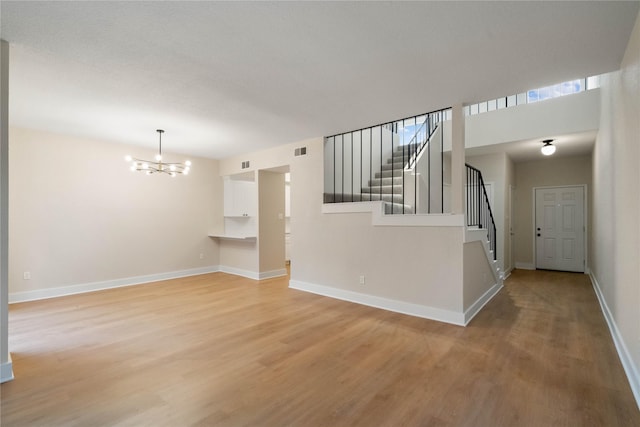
(560, 228)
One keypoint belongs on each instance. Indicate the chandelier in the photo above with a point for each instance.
(158, 166)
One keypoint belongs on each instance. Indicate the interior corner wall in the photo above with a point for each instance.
(271, 210)
(547, 172)
(616, 178)
(478, 277)
(79, 216)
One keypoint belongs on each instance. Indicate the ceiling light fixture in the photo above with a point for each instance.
(158, 166)
(548, 148)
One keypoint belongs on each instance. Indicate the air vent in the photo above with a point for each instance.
(245, 165)
(302, 151)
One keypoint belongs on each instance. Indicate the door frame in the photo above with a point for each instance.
(586, 221)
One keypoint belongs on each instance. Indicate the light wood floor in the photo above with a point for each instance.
(222, 350)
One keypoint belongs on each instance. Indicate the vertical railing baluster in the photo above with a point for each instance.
(335, 170)
(381, 175)
(342, 175)
(352, 167)
(361, 164)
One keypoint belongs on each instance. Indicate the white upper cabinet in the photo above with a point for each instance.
(240, 198)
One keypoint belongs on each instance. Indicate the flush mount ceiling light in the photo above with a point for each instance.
(158, 166)
(548, 148)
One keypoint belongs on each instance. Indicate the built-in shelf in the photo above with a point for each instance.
(227, 237)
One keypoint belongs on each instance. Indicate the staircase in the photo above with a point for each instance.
(381, 163)
(388, 183)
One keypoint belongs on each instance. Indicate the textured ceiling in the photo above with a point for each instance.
(223, 78)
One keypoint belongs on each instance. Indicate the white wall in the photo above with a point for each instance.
(271, 209)
(616, 180)
(478, 277)
(579, 112)
(79, 216)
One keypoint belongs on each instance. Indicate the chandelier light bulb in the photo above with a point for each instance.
(187, 163)
(145, 165)
(128, 158)
(172, 167)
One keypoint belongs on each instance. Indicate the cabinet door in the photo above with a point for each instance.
(245, 198)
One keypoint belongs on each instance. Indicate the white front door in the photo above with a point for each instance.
(559, 234)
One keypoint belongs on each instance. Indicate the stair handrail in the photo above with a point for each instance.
(479, 213)
(431, 120)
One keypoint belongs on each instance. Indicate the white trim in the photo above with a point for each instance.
(411, 309)
(39, 294)
(379, 218)
(475, 308)
(359, 207)
(253, 275)
(6, 370)
(623, 353)
(525, 266)
(506, 274)
(273, 273)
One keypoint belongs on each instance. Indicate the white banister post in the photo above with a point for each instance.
(457, 159)
(6, 371)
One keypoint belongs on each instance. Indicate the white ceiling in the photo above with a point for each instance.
(224, 78)
(576, 144)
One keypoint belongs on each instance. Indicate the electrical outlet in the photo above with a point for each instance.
(201, 256)
(362, 280)
(26, 275)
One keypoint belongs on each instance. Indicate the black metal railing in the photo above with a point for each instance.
(478, 207)
(397, 162)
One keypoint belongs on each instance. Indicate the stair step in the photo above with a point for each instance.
(407, 147)
(390, 166)
(389, 173)
(397, 159)
(384, 189)
(385, 181)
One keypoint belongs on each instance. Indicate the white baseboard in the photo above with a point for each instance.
(525, 266)
(506, 274)
(6, 371)
(623, 353)
(411, 309)
(253, 275)
(273, 273)
(39, 294)
(481, 302)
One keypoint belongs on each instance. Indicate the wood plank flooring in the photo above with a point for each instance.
(220, 350)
